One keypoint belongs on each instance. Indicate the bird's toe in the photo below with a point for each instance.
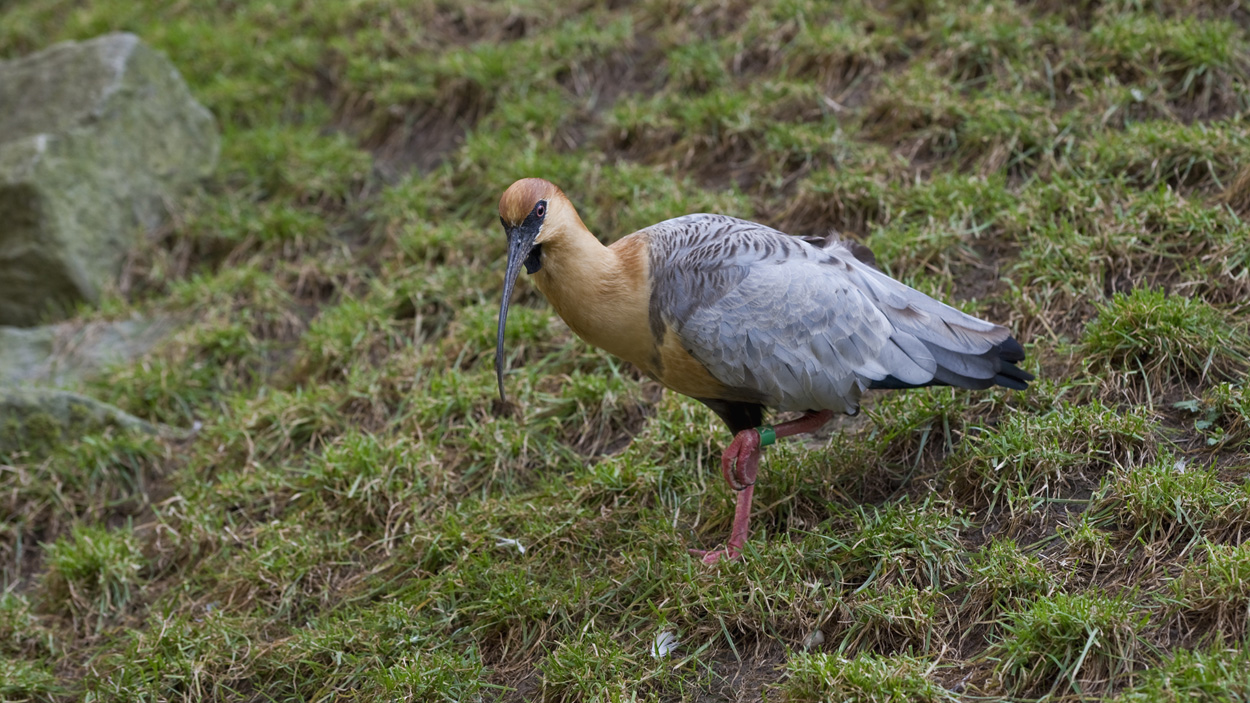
(711, 557)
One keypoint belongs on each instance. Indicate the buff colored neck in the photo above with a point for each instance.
(603, 293)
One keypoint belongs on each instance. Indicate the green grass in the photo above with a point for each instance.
(23, 680)
(1003, 578)
(867, 678)
(1215, 675)
(347, 522)
(904, 543)
(1210, 600)
(891, 619)
(1170, 500)
(1149, 335)
(1070, 643)
(92, 574)
(1038, 455)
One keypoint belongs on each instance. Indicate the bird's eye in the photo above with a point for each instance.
(541, 209)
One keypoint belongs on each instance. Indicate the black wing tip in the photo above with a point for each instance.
(1010, 350)
(1014, 378)
(1011, 383)
(1011, 376)
(1008, 375)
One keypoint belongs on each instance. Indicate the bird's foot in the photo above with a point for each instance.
(741, 460)
(740, 465)
(712, 556)
(737, 534)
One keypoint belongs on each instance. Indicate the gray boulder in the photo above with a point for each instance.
(95, 138)
(69, 352)
(35, 420)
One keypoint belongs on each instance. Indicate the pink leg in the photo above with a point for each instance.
(740, 466)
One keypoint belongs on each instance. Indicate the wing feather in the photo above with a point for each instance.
(806, 327)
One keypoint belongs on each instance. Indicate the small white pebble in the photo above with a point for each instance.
(815, 639)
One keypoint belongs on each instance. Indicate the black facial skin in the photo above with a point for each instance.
(534, 261)
(521, 250)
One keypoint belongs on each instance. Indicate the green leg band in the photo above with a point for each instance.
(767, 435)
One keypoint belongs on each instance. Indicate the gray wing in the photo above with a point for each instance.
(810, 328)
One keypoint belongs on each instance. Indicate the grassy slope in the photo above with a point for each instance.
(1072, 170)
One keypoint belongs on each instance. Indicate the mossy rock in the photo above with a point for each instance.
(95, 138)
(33, 420)
(67, 352)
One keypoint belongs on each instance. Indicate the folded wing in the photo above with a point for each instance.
(811, 327)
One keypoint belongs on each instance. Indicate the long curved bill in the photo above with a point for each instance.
(520, 242)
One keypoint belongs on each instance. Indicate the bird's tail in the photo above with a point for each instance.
(969, 352)
(969, 371)
(961, 361)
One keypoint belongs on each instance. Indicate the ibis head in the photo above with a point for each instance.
(524, 209)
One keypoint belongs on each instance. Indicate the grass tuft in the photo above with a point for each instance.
(1210, 600)
(22, 680)
(1005, 578)
(1213, 676)
(1070, 643)
(1088, 543)
(912, 544)
(865, 678)
(1170, 500)
(438, 675)
(21, 633)
(93, 573)
(893, 619)
(1037, 455)
(595, 666)
(1153, 338)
